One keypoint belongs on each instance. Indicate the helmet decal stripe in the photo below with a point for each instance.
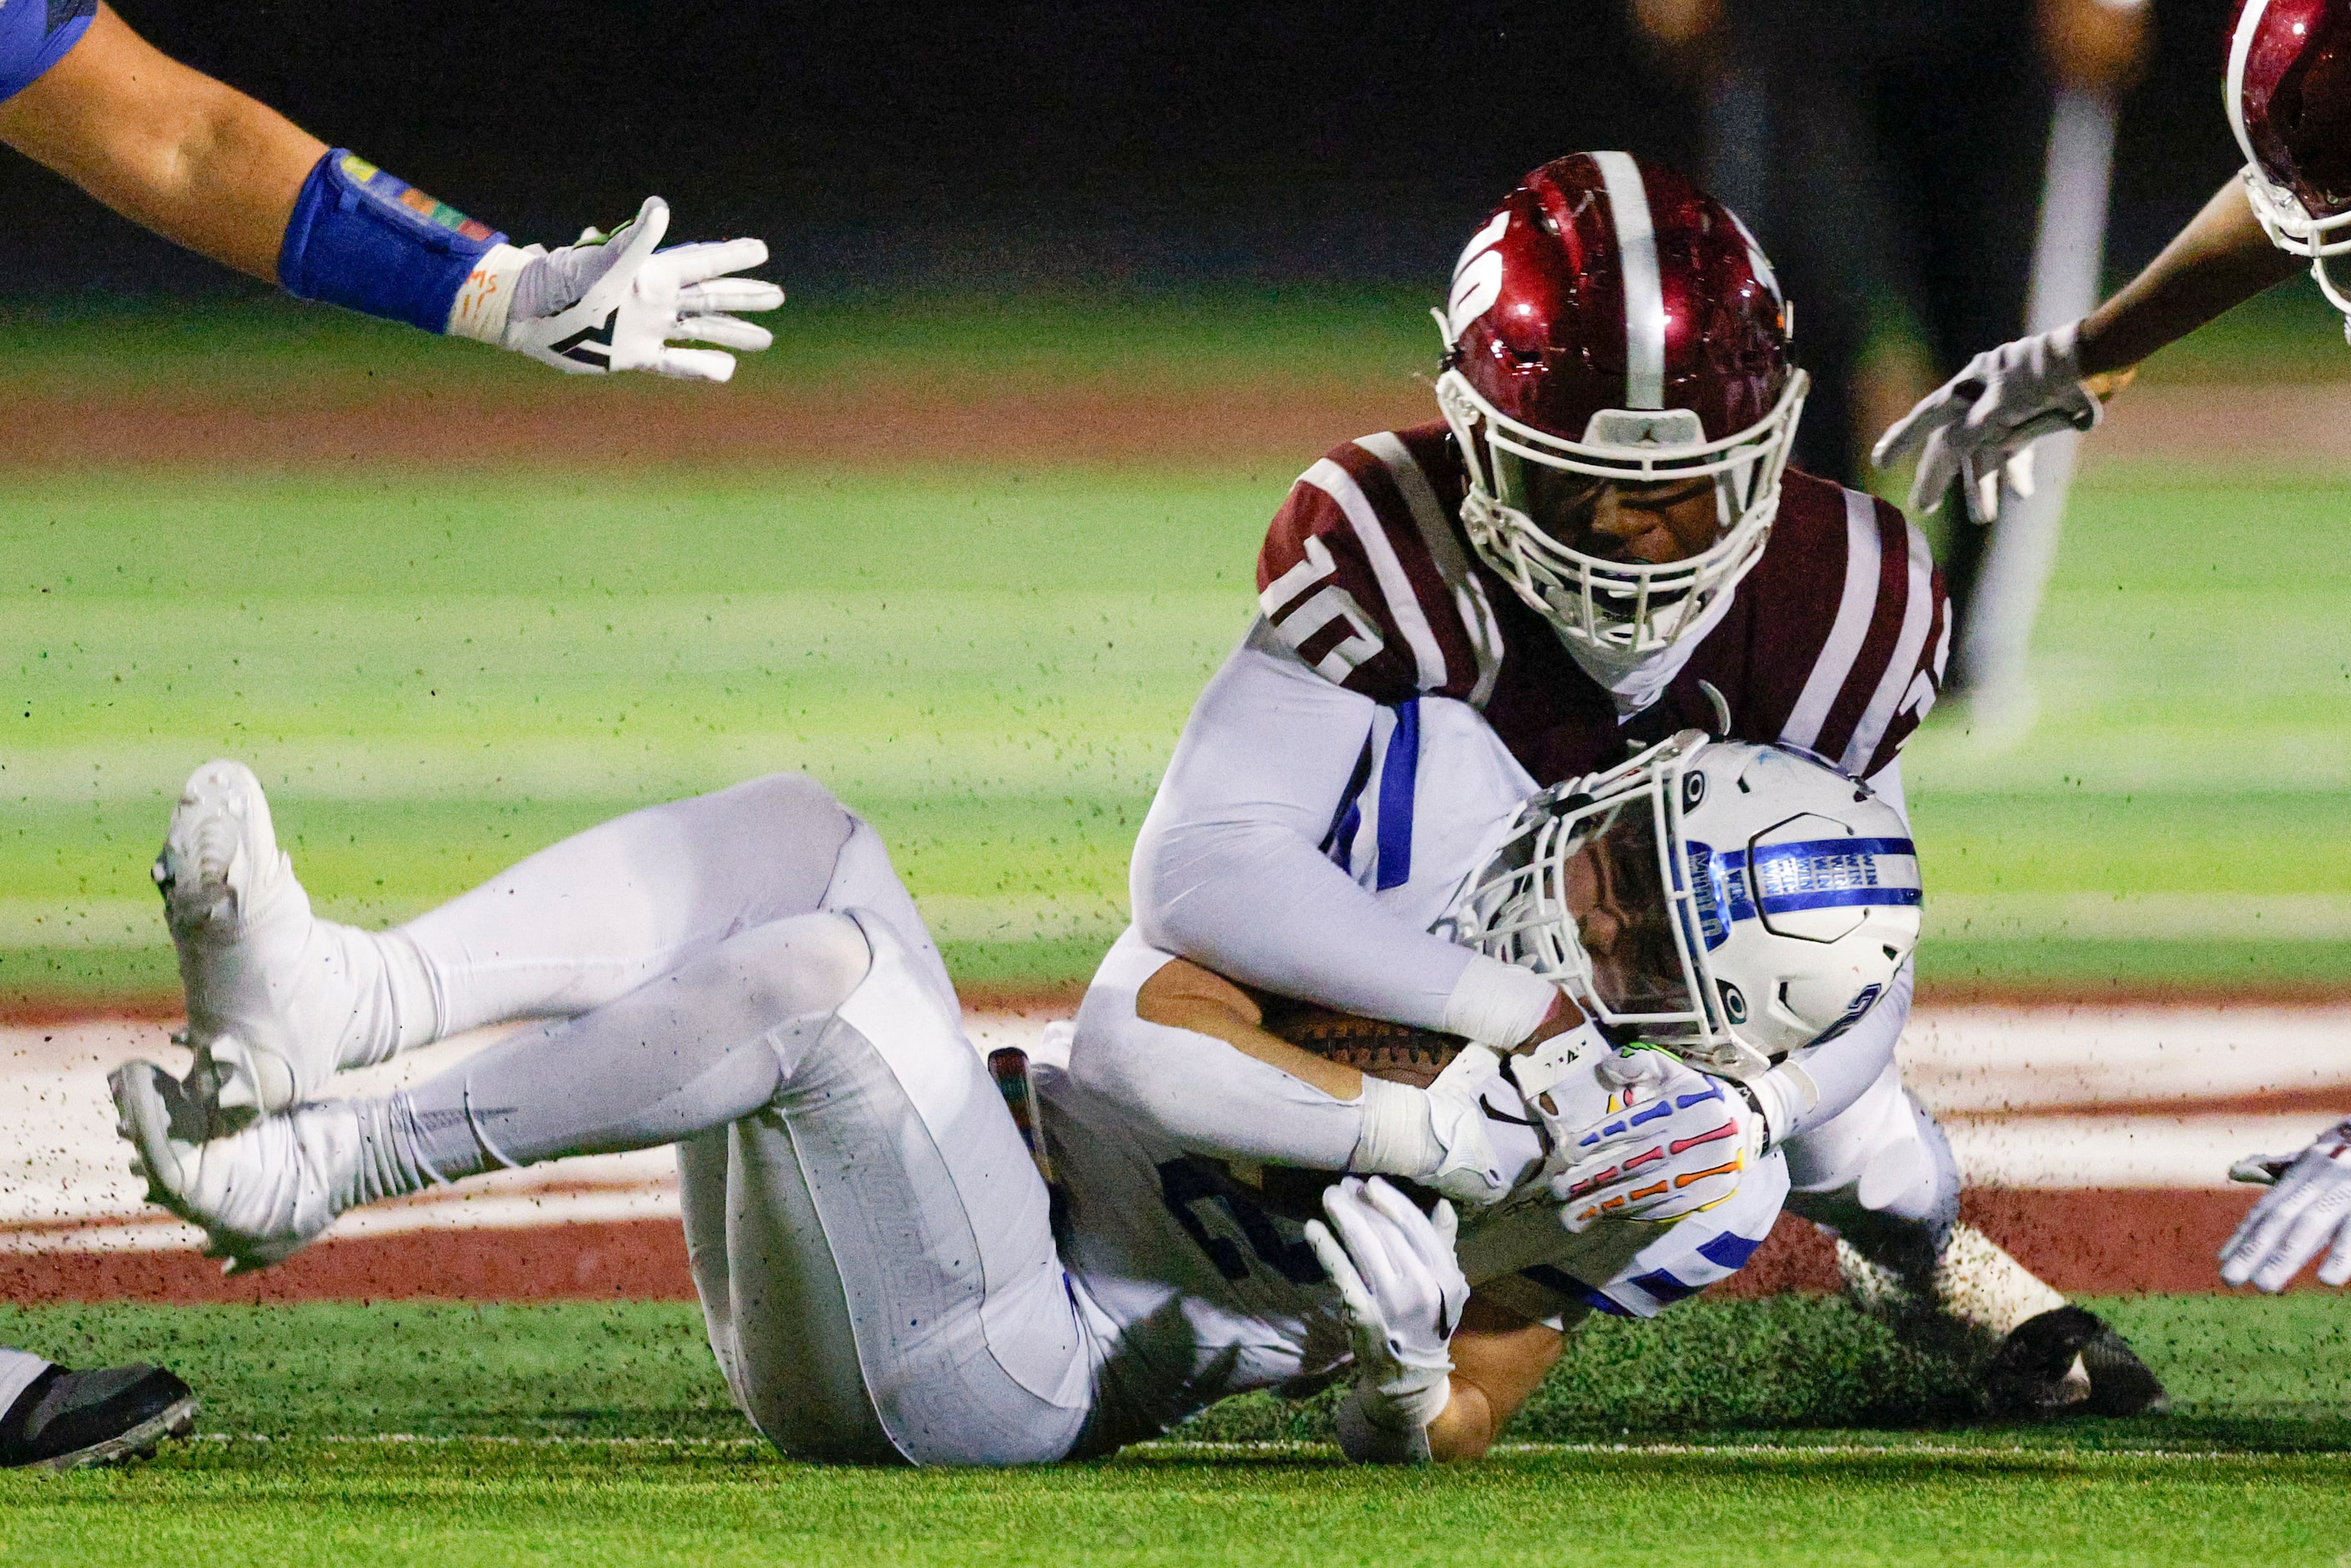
(2240, 48)
(1732, 885)
(1644, 295)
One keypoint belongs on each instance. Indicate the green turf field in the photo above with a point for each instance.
(1755, 1433)
(436, 673)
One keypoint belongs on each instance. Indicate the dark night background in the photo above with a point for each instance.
(1071, 145)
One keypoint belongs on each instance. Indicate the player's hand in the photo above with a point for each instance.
(1404, 1293)
(2307, 1210)
(1471, 1170)
(615, 302)
(1674, 1142)
(1972, 425)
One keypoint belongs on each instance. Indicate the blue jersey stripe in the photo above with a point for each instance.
(1399, 772)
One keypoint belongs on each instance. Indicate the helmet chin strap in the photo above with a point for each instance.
(1635, 681)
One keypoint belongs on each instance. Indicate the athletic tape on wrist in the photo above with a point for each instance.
(1398, 1137)
(369, 242)
(1498, 1004)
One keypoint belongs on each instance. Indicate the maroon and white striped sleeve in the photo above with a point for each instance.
(1362, 578)
(1879, 668)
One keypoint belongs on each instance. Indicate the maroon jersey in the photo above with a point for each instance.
(1834, 643)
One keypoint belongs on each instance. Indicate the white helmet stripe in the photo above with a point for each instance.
(2240, 48)
(1644, 295)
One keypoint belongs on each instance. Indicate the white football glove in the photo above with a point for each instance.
(1981, 420)
(1404, 1291)
(2309, 1208)
(1674, 1142)
(613, 302)
(1461, 1103)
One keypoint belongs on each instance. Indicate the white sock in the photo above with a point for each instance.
(18, 1369)
(1983, 1287)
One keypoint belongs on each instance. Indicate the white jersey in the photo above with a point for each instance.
(1199, 1290)
(1430, 796)
(1205, 1280)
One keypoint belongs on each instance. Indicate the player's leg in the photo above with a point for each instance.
(1879, 1176)
(278, 1000)
(53, 1418)
(889, 1283)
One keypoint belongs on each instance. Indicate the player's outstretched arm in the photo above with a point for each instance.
(194, 158)
(1499, 1359)
(1439, 1374)
(2009, 397)
(211, 169)
(2216, 262)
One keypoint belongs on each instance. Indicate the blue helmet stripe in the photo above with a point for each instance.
(1841, 898)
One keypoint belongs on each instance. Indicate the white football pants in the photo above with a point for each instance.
(1879, 1174)
(867, 1232)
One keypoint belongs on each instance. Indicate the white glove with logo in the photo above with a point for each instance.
(1404, 1293)
(1445, 1136)
(1672, 1142)
(613, 302)
(2308, 1208)
(1981, 419)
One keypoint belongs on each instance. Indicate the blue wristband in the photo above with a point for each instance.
(364, 240)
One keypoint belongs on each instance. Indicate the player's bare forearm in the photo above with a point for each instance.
(2217, 262)
(1183, 995)
(168, 146)
(1499, 1359)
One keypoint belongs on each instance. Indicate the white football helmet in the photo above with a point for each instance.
(1729, 902)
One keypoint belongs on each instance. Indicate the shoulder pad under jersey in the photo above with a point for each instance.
(1852, 627)
(1365, 576)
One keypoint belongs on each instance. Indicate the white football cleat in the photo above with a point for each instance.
(277, 999)
(261, 1194)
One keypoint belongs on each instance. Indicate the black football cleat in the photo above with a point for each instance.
(69, 1419)
(2028, 1377)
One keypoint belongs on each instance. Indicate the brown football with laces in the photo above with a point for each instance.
(1399, 1052)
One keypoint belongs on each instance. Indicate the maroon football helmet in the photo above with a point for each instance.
(2289, 102)
(1612, 320)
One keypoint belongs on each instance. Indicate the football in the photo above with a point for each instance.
(1395, 1051)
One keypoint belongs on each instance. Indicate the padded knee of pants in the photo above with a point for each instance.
(790, 969)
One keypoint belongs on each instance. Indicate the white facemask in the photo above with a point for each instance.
(1635, 681)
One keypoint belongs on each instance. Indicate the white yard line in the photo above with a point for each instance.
(65, 1185)
(138, 922)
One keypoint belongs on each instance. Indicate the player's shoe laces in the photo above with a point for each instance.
(69, 1419)
(277, 999)
(261, 1193)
